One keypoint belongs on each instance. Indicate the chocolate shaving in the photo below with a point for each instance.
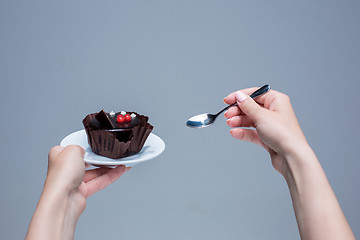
(104, 120)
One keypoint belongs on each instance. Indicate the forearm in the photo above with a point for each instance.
(54, 217)
(317, 210)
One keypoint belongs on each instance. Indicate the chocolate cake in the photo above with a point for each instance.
(116, 135)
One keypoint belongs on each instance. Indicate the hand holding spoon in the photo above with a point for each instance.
(206, 119)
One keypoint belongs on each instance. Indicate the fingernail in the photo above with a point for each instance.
(227, 122)
(225, 113)
(224, 100)
(240, 96)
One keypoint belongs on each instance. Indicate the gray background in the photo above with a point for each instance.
(170, 60)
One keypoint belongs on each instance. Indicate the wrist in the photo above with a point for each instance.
(56, 214)
(60, 181)
(304, 169)
(56, 185)
(65, 195)
(301, 154)
(316, 208)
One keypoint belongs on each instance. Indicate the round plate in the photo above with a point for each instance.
(152, 148)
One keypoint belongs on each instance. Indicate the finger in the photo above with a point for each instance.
(75, 149)
(267, 100)
(231, 99)
(55, 151)
(94, 173)
(250, 108)
(240, 121)
(232, 112)
(104, 180)
(83, 189)
(248, 135)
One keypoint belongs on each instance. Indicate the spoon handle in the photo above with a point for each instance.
(260, 91)
(257, 93)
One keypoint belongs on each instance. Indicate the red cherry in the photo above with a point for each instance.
(127, 118)
(120, 118)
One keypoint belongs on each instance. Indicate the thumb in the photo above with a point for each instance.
(249, 106)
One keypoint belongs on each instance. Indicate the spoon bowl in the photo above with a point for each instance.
(201, 120)
(207, 119)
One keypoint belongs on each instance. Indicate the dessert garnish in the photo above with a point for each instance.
(120, 118)
(101, 120)
(124, 118)
(127, 118)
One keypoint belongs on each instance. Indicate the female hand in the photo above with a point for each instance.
(275, 123)
(66, 189)
(66, 170)
(317, 210)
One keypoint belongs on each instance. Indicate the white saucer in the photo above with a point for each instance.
(152, 148)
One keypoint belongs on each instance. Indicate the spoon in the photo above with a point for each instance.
(206, 119)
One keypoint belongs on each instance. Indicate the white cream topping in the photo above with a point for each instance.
(122, 112)
(112, 114)
(133, 115)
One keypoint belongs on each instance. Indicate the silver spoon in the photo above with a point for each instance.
(206, 119)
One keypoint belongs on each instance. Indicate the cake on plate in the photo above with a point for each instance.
(116, 135)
